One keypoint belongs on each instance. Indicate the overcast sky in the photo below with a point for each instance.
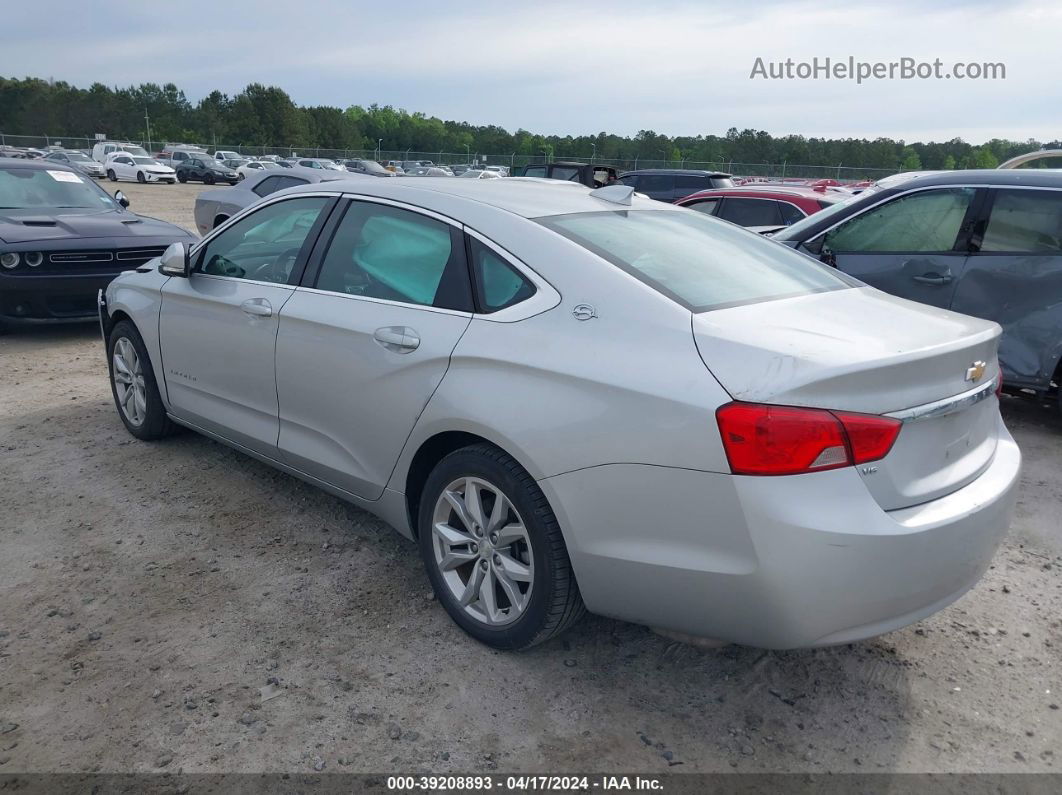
(680, 68)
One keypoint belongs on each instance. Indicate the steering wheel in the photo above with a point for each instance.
(279, 269)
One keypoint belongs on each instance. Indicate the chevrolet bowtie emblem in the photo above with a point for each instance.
(975, 371)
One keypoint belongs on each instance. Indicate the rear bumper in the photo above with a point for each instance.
(51, 297)
(786, 562)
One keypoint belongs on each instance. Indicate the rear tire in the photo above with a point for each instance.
(209, 179)
(488, 552)
(136, 394)
(182, 178)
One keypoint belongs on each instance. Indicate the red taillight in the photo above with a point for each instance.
(786, 440)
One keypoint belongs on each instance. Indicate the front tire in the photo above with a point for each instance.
(494, 552)
(111, 175)
(140, 177)
(136, 394)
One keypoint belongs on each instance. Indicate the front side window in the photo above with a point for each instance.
(696, 261)
(498, 284)
(751, 212)
(535, 171)
(267, 186)
(1025, 221)
(706, 206)
(386, 252)
(264, 245)
(919, 222)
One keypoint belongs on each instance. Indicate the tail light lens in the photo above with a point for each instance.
(787, 440)
(999, 383)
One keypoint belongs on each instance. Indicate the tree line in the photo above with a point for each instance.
(265, 116)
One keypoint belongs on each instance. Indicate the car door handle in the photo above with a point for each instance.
(933, 278)
(400, 339)
(257, 307)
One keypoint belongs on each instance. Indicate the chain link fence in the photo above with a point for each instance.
(513, 161)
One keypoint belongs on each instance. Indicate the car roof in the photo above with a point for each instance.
(692, 172)
(529, 197)
(1035, 177)
(765, 190)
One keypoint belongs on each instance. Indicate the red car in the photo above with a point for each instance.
(761, 208)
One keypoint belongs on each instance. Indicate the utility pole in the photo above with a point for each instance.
(593, 154)
(379, 148)
(147, 129)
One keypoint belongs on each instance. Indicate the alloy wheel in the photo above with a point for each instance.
(483, 551)
(129, 381)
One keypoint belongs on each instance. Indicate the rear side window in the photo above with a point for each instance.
(396, 255)
(696, 261)
(722, 182)
(629, 181)
(656, 183)
(535, 171)
(1025, 221)
(498, 284)
(751, 212)
(924, 221)
(565, 172)
(691, 183)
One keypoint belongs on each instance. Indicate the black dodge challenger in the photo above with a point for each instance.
(62, 238)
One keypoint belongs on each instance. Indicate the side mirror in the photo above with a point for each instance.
(175, 261)
(120, 197)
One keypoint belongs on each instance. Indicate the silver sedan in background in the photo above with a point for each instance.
(214, 207)
(585, 399)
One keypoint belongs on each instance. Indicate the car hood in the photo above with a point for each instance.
(24, 226)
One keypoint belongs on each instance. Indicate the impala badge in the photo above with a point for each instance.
(975, 371)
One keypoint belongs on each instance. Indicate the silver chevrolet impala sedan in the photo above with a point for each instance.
(577, 399)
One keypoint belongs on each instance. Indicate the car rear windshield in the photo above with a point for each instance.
(700, 262)
(39, 187)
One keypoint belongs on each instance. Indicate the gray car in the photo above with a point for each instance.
(985, 243)
(78, 160)
(214, 207)
(586, 399)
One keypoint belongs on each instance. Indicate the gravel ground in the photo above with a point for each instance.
(177, 605)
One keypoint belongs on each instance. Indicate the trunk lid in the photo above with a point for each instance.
(866, 351)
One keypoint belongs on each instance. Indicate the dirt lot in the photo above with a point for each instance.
(180, 606)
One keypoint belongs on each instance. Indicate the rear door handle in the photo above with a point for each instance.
(933, 278)
(257, 307)
(400, 339)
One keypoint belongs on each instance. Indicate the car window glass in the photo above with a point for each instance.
(1025, 221)
(535, 171)
(631, 182)
(263, 245)
(697, 261)
(385, 252)
(924, 221)
(565, 172)
(498, 284)
(656, 183)
(267, 186)
(750, 212)
(721, 182)
(790, 213)
(691, 183)
(706, 206)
